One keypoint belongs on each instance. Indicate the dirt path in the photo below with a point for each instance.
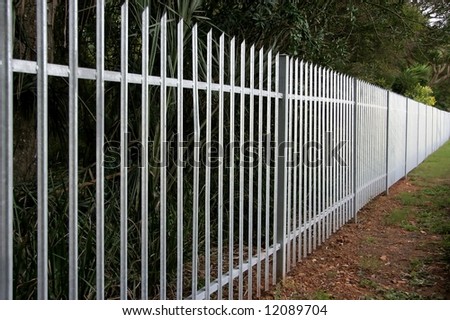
(373, 259)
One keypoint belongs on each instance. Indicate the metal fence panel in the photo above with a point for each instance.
(413, 135)
(321, 145)
(422, 125)
(397, 134)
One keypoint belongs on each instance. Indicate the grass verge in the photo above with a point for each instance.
(428, 208)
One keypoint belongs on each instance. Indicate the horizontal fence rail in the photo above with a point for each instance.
(228, 171)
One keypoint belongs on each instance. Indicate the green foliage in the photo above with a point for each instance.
(422, 94)
(418, 74)
(412, 82)
(442, 91)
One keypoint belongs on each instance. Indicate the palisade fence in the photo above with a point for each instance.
(246, 168)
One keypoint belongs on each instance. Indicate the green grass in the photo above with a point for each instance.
(446, 247)
(409, 199)
(368, 283)
(436, 167)
(430, 205)
(417, 264)
(427, 210)
(401, 295)
(418, 275)
(401, 217)
(321, 295)
(369, 263)
(370, 240)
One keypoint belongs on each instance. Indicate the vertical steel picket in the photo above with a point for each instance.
(300, 99)
(295, 166)
(328, 152)
(276, 171)
(354, 135)
(388, 111)
(144, 156)
(6, 151)
(288, 168)
(100, 118)
(310, 141)
(406, 137)
(221, 163)
(42, 147)
(73, 150)
(124, 155)
(306, 176)
(180, 160)
(250, 171)
(163, 161)
(195, 202)
(323, 165)
(260, 172)
(313, 163)
(268, 164)
(282, 130)
(231, 194)
(334, 139)
(208, 166)
(241, 173)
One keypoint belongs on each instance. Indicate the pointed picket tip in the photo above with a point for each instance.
(243, 47)
(124, 5)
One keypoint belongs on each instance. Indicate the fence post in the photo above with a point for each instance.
(282, 125)
(406, 137)
(355, 136)
(387, 141)
(6, 132)
(418, 133)
(426, 132)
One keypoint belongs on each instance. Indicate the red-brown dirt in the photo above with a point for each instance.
(371, 260)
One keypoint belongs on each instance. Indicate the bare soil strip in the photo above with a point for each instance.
(377, 258)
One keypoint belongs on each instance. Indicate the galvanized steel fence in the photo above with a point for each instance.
(301, 149)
